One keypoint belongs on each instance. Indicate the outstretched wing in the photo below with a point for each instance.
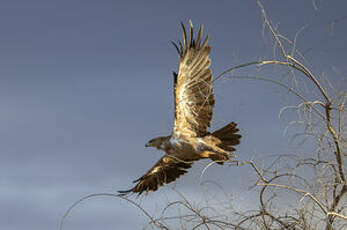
(194, 99)
(166, 170)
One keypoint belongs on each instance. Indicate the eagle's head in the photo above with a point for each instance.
(158, 142)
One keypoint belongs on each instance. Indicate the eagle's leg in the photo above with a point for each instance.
(218, 156)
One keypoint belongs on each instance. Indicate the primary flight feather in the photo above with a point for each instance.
(194, 100)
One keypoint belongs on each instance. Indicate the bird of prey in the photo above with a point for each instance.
(194, 100)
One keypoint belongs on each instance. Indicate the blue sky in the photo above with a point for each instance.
(85, 84)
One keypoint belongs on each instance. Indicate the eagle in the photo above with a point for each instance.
(190, 139)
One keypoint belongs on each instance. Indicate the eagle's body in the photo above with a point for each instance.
(190, 140)
(191, 148)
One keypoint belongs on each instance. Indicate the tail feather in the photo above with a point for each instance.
(228, 136)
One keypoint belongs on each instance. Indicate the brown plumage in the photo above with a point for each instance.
(194, 97)
(194, 101)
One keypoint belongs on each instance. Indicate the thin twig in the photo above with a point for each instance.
(158, 224)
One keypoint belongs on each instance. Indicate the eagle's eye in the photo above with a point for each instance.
(149, 143)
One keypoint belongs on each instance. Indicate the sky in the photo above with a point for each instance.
(85, 84)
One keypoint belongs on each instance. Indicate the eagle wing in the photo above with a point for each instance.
(194, 99)
(166, 170)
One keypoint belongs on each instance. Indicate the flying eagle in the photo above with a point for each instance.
(194, 100)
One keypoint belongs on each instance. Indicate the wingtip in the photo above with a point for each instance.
(184, 33)
(124, 192)
(131, 192)
(191, 35)
(198, 40)
(189, 41)
(204, 44)
(176, 47)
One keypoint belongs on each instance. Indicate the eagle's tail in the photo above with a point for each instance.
(228, 136)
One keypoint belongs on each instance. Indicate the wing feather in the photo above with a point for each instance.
(194, 99)
(198, 40)
(166, 170)
(184, 36)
